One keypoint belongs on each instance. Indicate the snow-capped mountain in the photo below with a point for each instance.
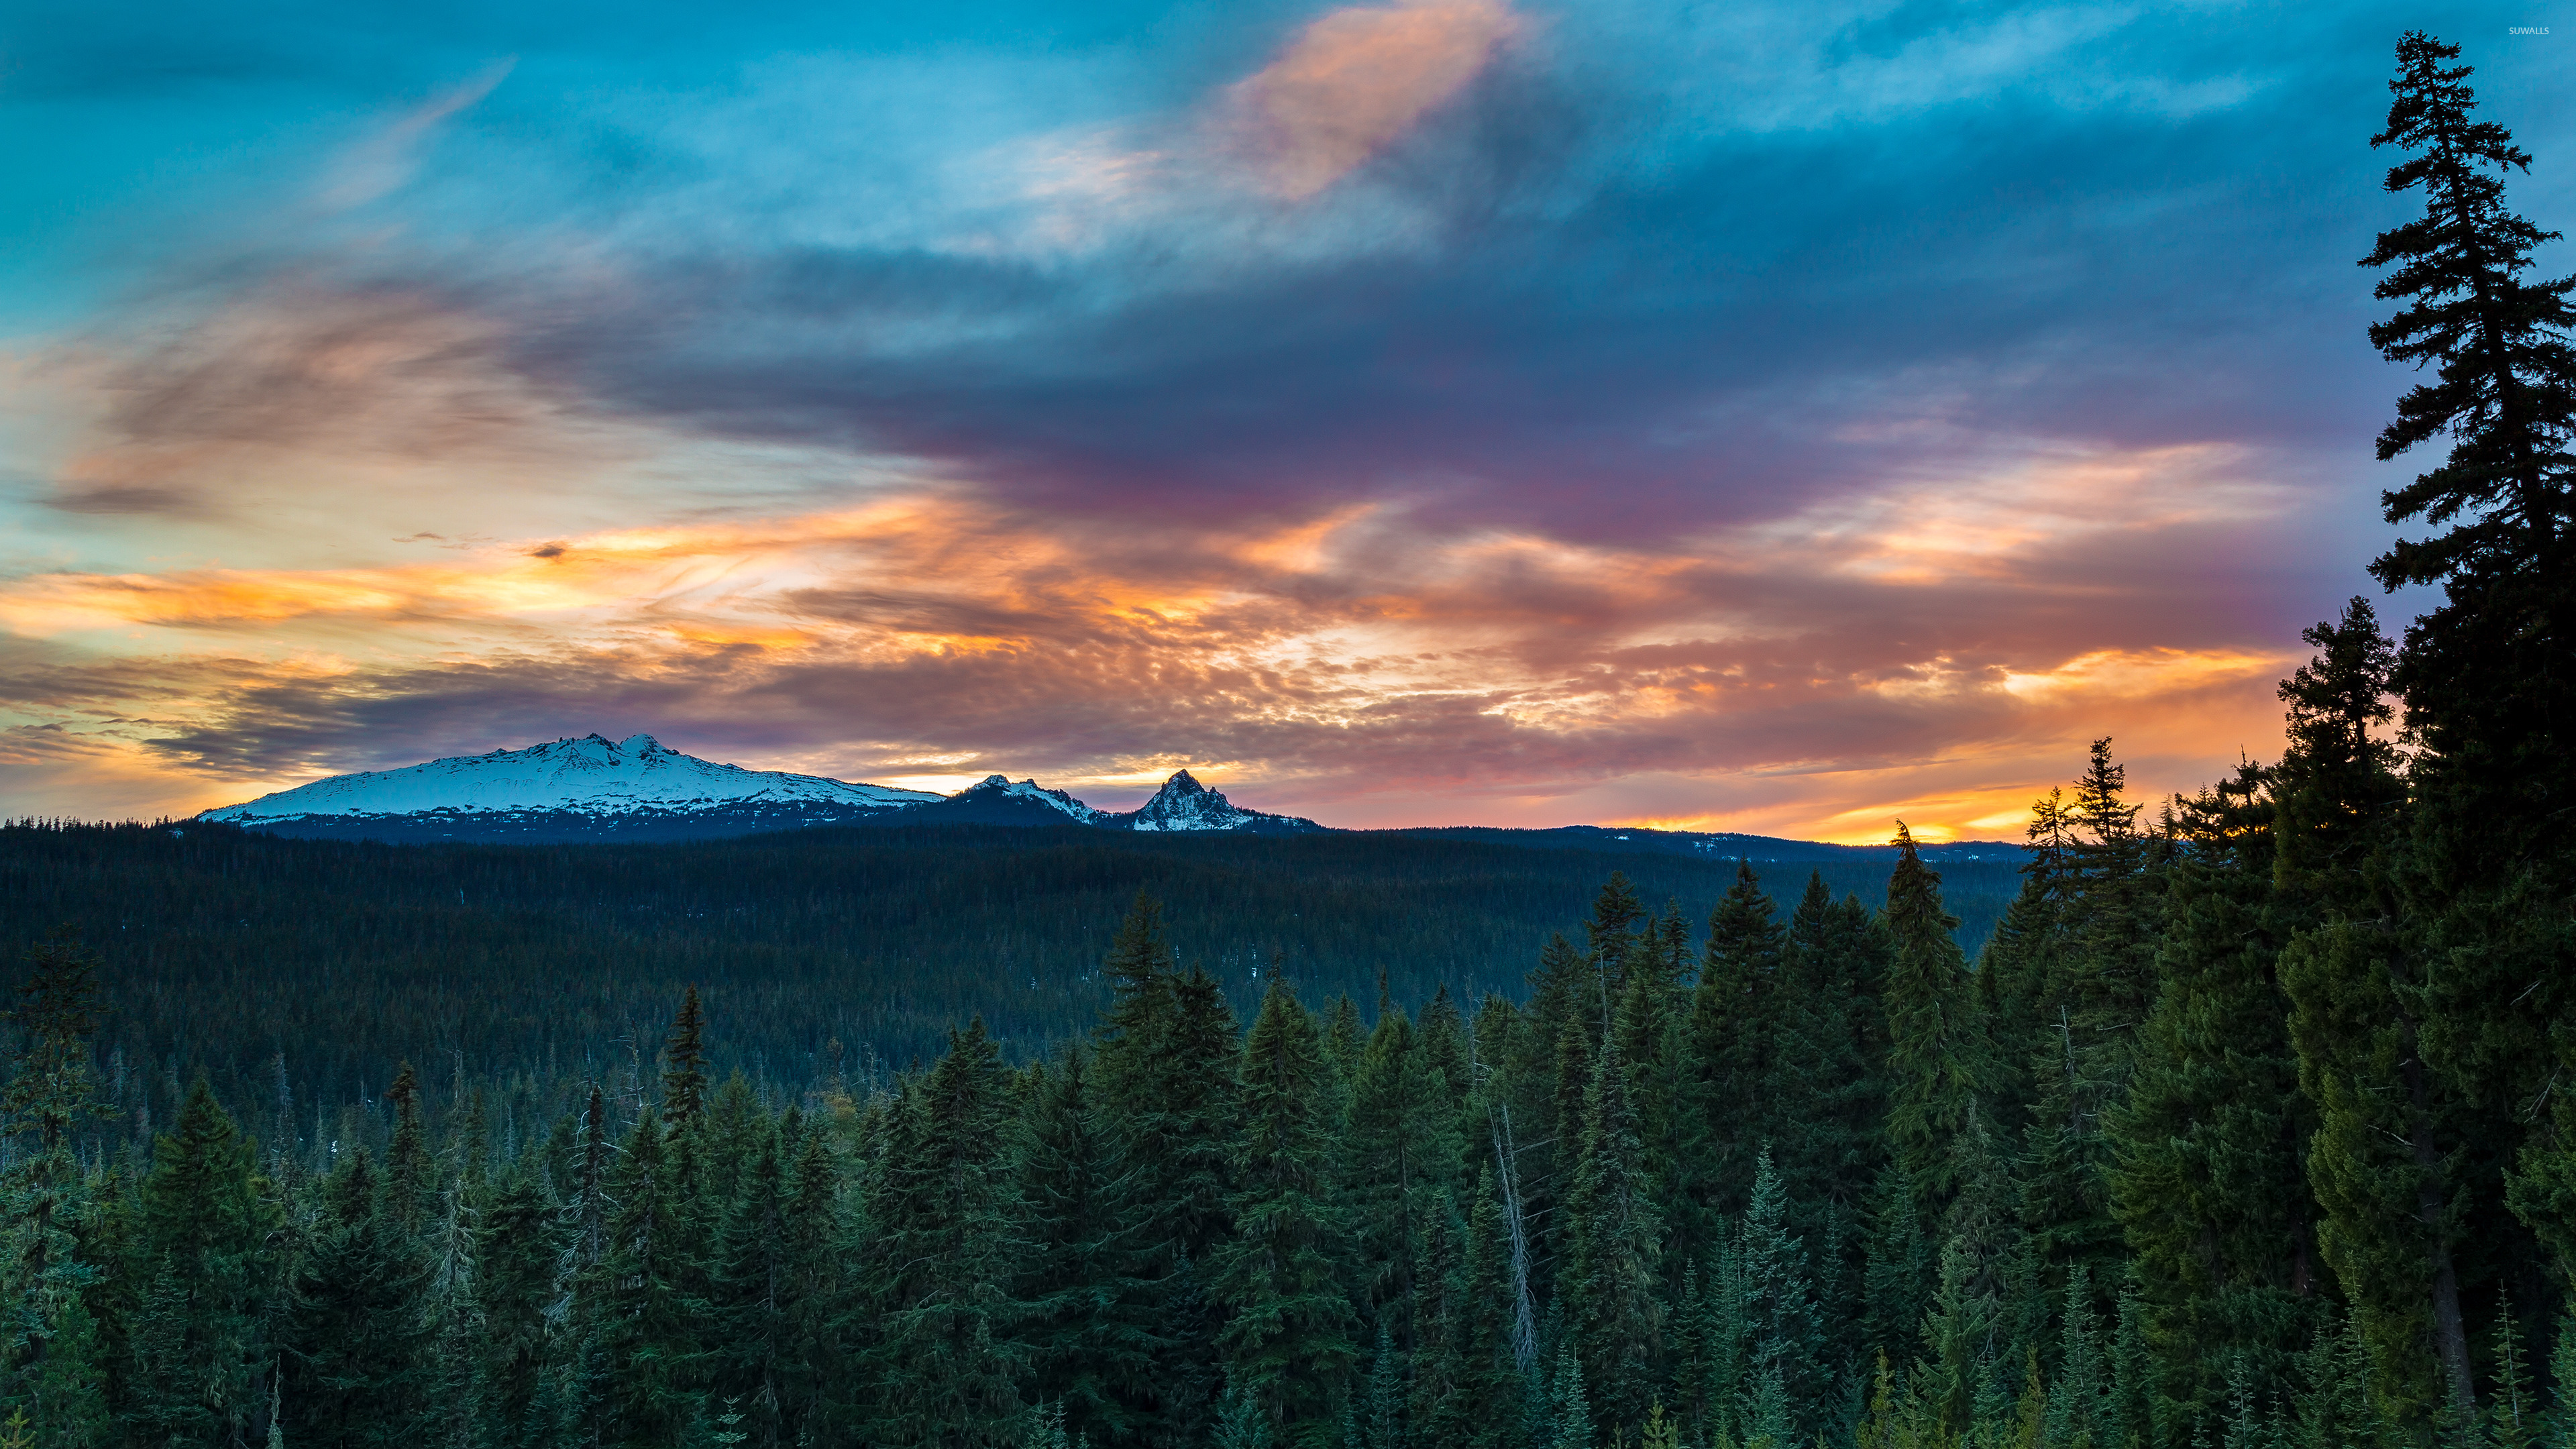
(638, 789)
(1185, 804)
(999, 800)
(635, 788)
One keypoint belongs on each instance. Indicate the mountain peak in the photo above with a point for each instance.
(1185, 804)
(586, 775)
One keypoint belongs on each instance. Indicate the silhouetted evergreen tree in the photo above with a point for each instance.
(944, 1366)
(684, 1063)
(195, 1344)
(1613, 1275)
(1092, 1321)
(1289, 1329)
(1935, 1055)
(356, 1371)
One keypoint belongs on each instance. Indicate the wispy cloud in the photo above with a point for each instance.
(388, 159)
(1357, 79)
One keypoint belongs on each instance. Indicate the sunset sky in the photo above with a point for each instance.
(1758, 416)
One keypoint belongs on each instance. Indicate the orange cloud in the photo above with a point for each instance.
(1353, 663)
(1359, 78)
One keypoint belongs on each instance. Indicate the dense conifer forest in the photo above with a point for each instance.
(2249, 1127)
(241, 956)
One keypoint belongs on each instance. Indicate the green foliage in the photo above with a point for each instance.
(1935, 1051)
(1289, 1331)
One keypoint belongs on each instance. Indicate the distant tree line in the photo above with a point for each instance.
(533, 970)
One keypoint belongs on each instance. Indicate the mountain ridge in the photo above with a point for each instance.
(589, 788)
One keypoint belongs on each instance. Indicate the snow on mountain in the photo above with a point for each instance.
(1000, 800)
(1185, 804)
(587, 776)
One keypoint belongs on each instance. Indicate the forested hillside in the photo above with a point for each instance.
(225, 949)
(2249, 1128)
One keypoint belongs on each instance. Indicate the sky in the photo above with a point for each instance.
(1781, 417)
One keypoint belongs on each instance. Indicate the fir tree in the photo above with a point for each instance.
(2212, 1140)
(200, 1254)
(2382, 1162)
(1288, 1334)
(2486, 673)
(1786, 1341)
(1933, 1048)
(1091, 1321)
(1401, 1153)
(645, 1325)
(411, 1172)
(354, 1373)
(944, 1367)
(1739, 1028)
(49, 1094)
(1612, 1276)
(684, 1064)
(515, 1291)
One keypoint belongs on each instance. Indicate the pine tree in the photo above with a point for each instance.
(2513, 1418)
(1835, 1148)
(1652, 1028)
(1401, 1154)
(1385, 1421)
(2334, 1406)
(1485, 1375)
(515, 1292)
(1538, 1095)
(1344, 1039)
(944, 1366)
(2486, 676)
(1569, 1406)
(1896, 1286)
(454, 1327)
(1970, 1331)
(1165, 1074)
(684, 1064)
(1615, 914)
(2101, 981)
(1786, 1347)
(200, 1257)
(737, 1127)
(646, 1328)
(2076, 1408)
(750, 1308)
(1090, 1324)
(1934, 1054)
(1739, 1028)
(1613, 1277)
(354, 1371)
(2212, 1141)
(1288, 1335)
(2383, 1160)
(815, 1283)
(49, 1095)
(411, 1173)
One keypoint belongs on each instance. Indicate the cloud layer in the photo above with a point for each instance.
(1442, 411)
